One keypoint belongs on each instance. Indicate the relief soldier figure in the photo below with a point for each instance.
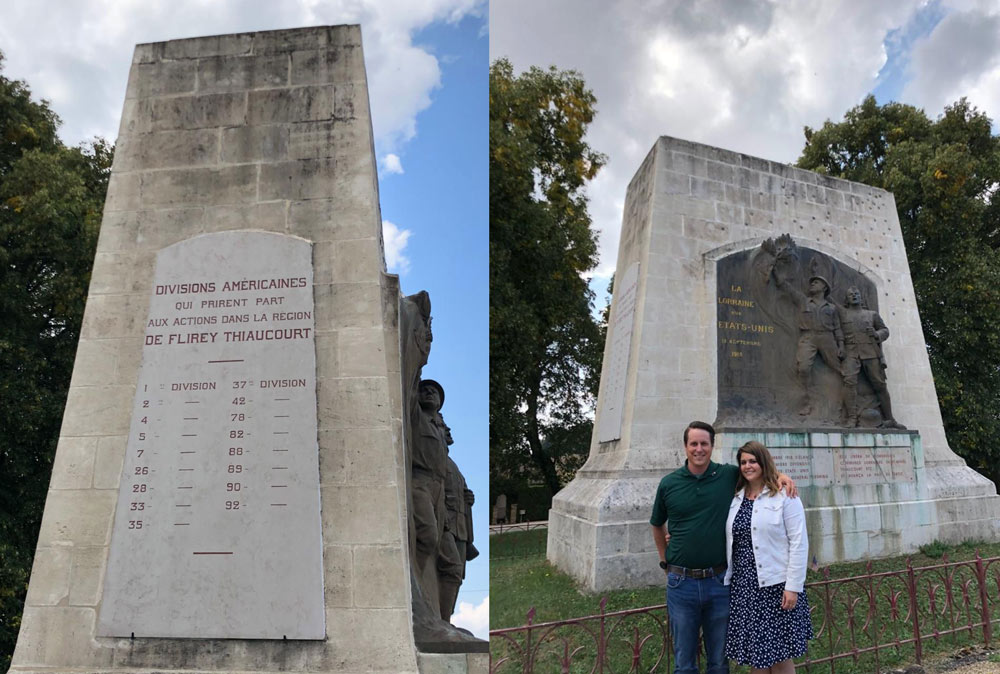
(819, 332)
(430, 468)
(864, 332)
(456, 542)
(426, 438)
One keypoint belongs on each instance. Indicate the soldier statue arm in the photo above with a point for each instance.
(879, 331)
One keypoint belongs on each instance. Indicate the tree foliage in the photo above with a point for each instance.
(545, 346)
(944, 175)
(51, 199)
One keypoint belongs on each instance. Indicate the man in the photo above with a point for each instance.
(819, 333)
(864, 332)
(456, 542)
(695, 499)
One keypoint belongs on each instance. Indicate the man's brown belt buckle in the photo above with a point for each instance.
(696, 573)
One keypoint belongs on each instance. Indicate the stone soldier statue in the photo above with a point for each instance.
(864, 332)
(456, 542)
(819, 332)
(430, 468)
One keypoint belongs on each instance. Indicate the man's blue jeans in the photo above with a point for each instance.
(695, 605)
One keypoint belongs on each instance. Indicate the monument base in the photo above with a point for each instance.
(459, 663)
(867, 495)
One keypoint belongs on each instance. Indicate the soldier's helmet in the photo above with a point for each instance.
(826, 293)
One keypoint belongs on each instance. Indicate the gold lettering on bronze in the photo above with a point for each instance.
(746, 327)
(736, 302)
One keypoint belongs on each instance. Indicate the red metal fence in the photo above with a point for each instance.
(863, 623)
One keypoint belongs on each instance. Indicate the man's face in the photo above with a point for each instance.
(698, 449)
(429, 397)
(853, 296)
(817, 287)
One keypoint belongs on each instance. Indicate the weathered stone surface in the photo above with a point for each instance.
(338, 64)
(77, 517)
(87, 574)
(185, 112)
(351, 646)
(314, 140)
(360, 515)
(298, 104)
(239, 73)
(108, 461)
(74, 647)
(243, 144)
(338, 584)
(199, 186)
(168, 149)
(327, 219)
(383, 586)
(54, 565)
(347, 305)
(200, 47)
(74, 463)
(160, 78)
(298, 180)
(351, 456)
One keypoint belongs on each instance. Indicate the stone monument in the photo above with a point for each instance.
(231, 488)
(777, 304)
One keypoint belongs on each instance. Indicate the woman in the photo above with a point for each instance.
(767, 551)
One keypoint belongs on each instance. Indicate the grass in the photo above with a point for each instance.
(524, 582)
(518, 544)
(528, 581)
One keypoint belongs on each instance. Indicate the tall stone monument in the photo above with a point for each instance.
(231, 483)
(777, 304)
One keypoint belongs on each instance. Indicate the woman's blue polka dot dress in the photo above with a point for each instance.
(760, 633)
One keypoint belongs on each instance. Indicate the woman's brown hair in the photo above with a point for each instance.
(767, 468)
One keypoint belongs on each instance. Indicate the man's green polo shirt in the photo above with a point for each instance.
(697, 507)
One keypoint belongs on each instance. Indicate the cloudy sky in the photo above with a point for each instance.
(427, 65)
(745, 75)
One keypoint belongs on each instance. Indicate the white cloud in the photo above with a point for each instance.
(395, 240)
(391, 164)
(745, 75)
(77, 53)
(475, 618)
(960, 57)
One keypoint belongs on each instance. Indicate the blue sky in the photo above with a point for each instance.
(427, 68)
(442, 197)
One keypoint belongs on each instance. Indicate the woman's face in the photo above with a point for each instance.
(749, 467)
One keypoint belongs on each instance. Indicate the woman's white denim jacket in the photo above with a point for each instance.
(778, 534)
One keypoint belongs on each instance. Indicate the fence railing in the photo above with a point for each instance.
(518, 526)
(862, 623)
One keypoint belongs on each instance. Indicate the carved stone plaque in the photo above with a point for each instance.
(622, 318)
(880, 465)
(217, 531)
(823, 467)
(807, 466)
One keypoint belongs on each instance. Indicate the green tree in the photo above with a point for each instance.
(51, 199)
(944, 175)
(545, 346)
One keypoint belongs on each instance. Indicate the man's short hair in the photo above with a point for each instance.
(701, 425)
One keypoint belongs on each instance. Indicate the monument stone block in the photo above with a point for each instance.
(725, 246)
(238, 389)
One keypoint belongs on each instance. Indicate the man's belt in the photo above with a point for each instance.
(696, 573)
